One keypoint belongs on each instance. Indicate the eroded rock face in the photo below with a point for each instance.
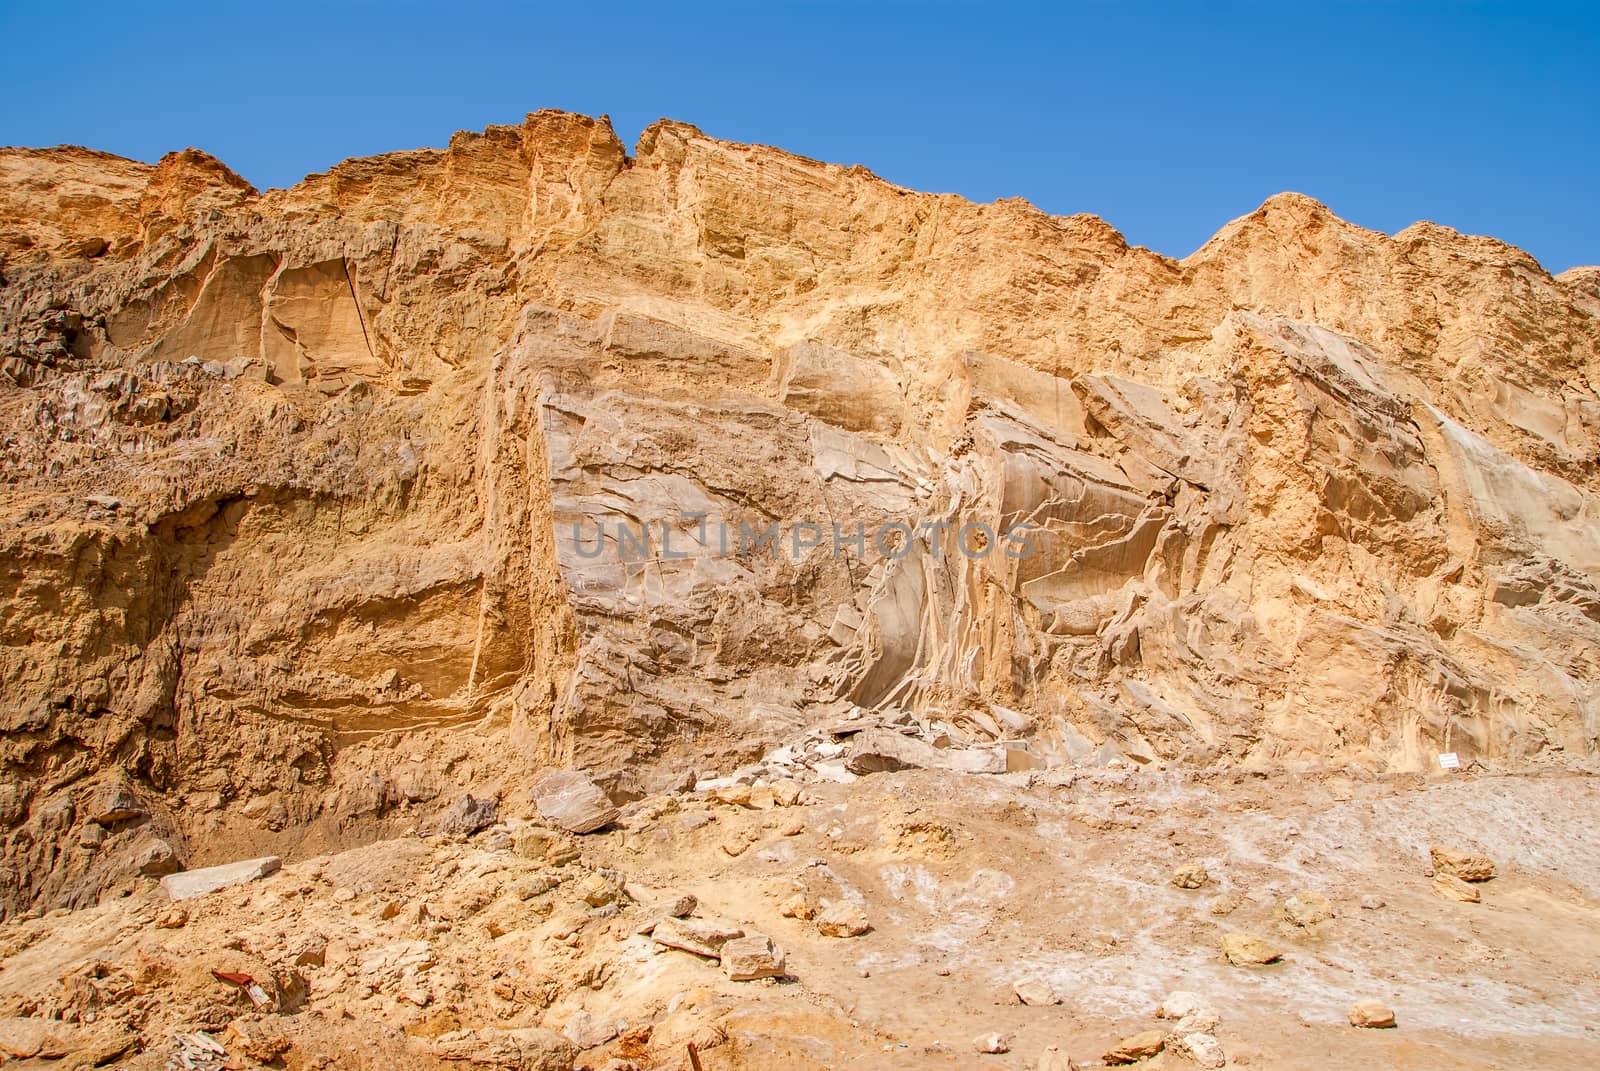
(295, 483)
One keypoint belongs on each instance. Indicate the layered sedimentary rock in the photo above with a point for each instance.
(444, 468)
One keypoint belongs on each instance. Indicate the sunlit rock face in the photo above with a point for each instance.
(448, 466)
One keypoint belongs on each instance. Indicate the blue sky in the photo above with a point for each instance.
(1167, 120)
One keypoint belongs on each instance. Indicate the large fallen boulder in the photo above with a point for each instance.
(573, 802)
(745, 959)
(468, 815)
(880, 750)
(703, 937)
(189, 884)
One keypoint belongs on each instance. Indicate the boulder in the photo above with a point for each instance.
(468, 815)
(1468, 866)
(1138, 1047)
(992, 1044)
(797, 907)
(1307, 909)
(158, 858)
(597, 890)
(703, 937)
(1248, 950)
(1374, 1014)
(1226, 903)
(1190, 876)
(1453, 888)
(1202, 1049)
(1036, 993)
(880, 750)
(1180, 1004)
(843, 919)
(114, 801)
(192, 883)
(544, 845)
(884, 750)
(574, 803)
(744, 959)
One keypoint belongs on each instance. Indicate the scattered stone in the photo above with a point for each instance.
(744, 959)
(597, 890)
(843, 919)
(992, 1044)
(468, 815)
(797, 907)
(1140, 1046)
(1307, 909)
(833, 771)
(736, 844)
(1053, 1059)
(735, 795)
(199, 1051)
(573, 802)
(703, 937)
(1036, 993)
(544, 845)
(1373, 1014)
(1180, 1004)
(1370, 902)
(1226, 903)
(193, 883)
(677, 908)
(174, 919)
(1246, 950)
(1200, 1021)
(1453, 888)
(258, 1041)
(158, 858)
(114, 801)
(1202, 1048)
(786, 792)
(1190, 876)
(1468, 866)
(310, 950)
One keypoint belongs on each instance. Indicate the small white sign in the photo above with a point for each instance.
(1449, 761)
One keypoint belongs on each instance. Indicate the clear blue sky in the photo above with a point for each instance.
(1165, 120)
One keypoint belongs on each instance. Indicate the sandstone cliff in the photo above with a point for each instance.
(291, 483)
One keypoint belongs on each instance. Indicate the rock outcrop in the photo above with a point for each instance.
(450, 467)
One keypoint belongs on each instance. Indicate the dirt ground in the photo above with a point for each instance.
(418, 952)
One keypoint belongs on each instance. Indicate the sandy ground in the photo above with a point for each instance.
(971, 884)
